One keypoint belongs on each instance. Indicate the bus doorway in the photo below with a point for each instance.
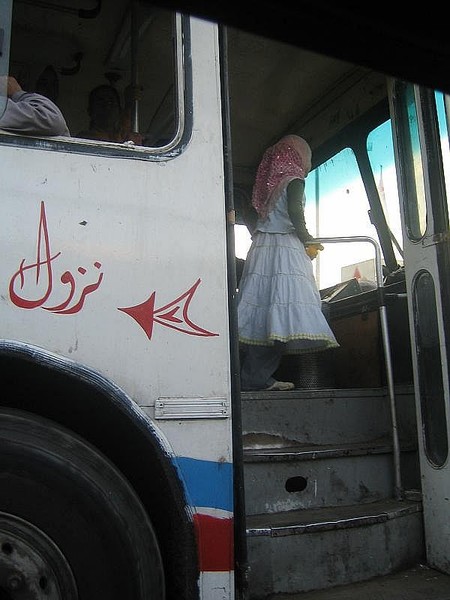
(421, 129)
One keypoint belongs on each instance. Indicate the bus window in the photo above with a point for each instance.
(380, 148)
(5, 26)
(415, 207)
(131, 47)
(243, 240)
(430, 378)
(337, 206)
(443, 111)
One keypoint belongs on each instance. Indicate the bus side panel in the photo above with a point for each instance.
(120, 265)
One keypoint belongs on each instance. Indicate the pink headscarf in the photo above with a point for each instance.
(288, 159)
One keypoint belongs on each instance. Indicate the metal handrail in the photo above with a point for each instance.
(386, 346)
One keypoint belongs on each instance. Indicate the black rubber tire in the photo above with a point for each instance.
(56, 485)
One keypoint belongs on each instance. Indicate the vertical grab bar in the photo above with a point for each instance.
(398, 492)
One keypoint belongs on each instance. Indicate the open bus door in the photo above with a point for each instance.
(421, 140)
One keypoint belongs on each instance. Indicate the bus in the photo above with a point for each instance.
(132, 466)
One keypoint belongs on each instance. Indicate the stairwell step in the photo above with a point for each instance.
(328, 416)
(304, 550)
(270, 448)
(297, 476)
(297, 522)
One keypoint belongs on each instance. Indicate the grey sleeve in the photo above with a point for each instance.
(33, 114)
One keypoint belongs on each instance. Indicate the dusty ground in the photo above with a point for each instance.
(419, 583)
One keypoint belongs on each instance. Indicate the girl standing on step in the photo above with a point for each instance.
(279, 305)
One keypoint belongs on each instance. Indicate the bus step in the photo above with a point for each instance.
(333, 416)
(300, 476)
(302, 550)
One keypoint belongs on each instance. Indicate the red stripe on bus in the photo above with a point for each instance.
(215, 543)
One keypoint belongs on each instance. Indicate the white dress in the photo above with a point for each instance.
(278, 299)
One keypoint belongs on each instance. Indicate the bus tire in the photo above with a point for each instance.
(71, 526)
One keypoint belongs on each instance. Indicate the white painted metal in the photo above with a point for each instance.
(115, 231)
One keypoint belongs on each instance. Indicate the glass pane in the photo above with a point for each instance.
(114, 75)
(380, 149)
(5, 30)
(337, 206)
(412, 167)
(429, 360)
(443, 111)
(243, 240)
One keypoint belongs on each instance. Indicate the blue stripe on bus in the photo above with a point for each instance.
(209, 484)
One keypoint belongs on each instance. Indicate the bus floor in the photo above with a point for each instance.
(417, 583)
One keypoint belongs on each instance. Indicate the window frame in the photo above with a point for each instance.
(184, 109)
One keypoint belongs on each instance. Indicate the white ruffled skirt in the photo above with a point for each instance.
(278, 299)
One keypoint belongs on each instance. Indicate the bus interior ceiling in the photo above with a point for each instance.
(277, 88)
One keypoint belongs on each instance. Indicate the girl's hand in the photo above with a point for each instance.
(312, 250)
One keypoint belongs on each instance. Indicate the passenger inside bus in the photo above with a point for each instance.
(30, 113)
(108, 122)
(104, 110)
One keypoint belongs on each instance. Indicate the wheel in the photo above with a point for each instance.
(71, 526)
